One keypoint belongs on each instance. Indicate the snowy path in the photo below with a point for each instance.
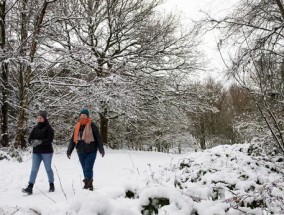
(224, 180)
(116, 169)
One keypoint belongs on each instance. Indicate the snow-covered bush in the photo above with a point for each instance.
(10, 154)
(238, 178)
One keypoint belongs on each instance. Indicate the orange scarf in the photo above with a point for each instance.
(87, 133)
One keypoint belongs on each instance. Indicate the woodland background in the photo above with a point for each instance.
(134, 67)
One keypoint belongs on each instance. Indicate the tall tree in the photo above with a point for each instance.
(31, 19)
(255, 30)
(4, 77)
(126, 39)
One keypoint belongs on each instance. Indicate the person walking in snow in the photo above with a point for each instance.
(87, 140)
(41, 138)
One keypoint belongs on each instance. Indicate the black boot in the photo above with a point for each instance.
(90, 184)
(29, 189)
(85, 184)
(51, 187)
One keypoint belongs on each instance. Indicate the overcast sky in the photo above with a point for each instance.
(191, 10)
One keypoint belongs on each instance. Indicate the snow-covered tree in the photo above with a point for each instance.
(254, 34)
(124, 60)
(122, 48)
(21, 60)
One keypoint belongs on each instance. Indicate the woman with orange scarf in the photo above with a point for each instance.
(87, 141)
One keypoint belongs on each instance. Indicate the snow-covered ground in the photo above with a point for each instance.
(112, 175)
(222, 180)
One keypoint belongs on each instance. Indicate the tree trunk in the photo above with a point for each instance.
(21, 123)
(20, 137)
(4, 108)
(281, 8)
(104, 126)
(202, 136)
(282, 78)
(158, 146)
(4, 77)
(25, 71)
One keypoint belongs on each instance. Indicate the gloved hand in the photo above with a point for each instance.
(69, 155)
(102, 153)
(35, 142)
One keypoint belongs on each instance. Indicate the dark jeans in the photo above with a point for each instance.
(87, 161)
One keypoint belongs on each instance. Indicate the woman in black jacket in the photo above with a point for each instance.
(41, 139)
(87, 140)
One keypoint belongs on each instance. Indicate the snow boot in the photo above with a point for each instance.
(90, 185)
(51, 187)
(85, 184)
(29, 189)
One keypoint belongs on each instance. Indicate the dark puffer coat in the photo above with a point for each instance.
(42, 131)
(81, 146)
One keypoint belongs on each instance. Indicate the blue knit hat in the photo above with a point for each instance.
(85, 111)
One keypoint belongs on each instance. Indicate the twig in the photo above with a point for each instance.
(60, 183)
(35, 211)
(45, 195)
(131, 160)
(133, 165)
(138, 171)
(14, 211)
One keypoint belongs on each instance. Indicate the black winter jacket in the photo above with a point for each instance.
(42, 131)
(81, 146)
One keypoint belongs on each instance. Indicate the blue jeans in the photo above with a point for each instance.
(36, 160)
(87, 161)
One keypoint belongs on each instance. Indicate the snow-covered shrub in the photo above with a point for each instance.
(130, 194)
(10, 154)
(153, 206)
(235, 178)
